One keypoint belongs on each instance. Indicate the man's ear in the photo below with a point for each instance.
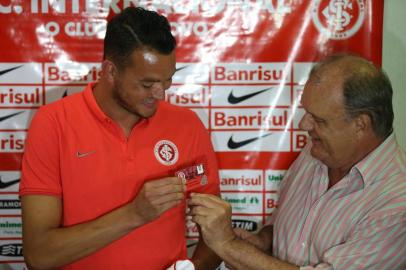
(363, 123)
(109, 70)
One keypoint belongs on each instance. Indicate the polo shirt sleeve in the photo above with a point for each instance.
(377, 243)
(40, 166)
(204, 148)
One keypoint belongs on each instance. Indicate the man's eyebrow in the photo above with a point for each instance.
(154, 80)
(314, 116)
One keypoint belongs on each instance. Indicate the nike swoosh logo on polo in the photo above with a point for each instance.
(7, 184)
(4, 71)
(2, 118)
(79, 154)
(234, 100)
(235, 145)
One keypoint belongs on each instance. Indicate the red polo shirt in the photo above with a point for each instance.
(76, 152)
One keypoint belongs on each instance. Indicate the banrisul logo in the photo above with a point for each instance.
(338, 19)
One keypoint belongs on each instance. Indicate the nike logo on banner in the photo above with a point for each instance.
(234, 100)
(178, 69)
(7, 184)
(65, 94)
(2, 72)
(79, 154)
(235, 145)
(2, 118)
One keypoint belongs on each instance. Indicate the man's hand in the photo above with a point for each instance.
(214, 217)
(157, 196)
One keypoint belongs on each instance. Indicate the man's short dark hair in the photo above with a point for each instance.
(366, 89)
(135, 28)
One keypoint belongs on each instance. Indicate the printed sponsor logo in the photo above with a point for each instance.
(20, 96)
(180, 68)
(65, 93)
(14, 119)
(299, 140)
(271, 202)
(7, 184)
(84, 154)
(166, 152)
(244, 203)
(249, 118)
(54, 93)
(187, 95)
(12, 142)
(10, 204)
(338, 19)
(9, 181)
(11, 250)
(7, 70)
(241, 180)
(5, 117)
(273, 179)
(190, 74)
(10, 227)
(247, 225)
(232, 99)
(16, 73)
(252, 141)
(232, 144)
(80, 73)
(230, 96)
(249, 73)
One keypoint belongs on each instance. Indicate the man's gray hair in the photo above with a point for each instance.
(366, 89)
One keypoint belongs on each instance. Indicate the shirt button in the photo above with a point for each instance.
(303, 244)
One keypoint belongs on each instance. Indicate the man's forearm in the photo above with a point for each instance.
(243, 256)
(204, 258)
(60, 246)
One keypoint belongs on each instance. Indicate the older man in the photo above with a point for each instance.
(343, 201)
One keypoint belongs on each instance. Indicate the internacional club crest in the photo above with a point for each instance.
(338, 19)
(166, 152)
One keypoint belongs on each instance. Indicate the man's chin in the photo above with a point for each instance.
(316, 152)
(148, 114)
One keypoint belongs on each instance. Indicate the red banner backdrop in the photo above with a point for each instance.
(241, 67)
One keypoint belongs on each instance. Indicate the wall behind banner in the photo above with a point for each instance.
(210, 81)
(394, 61)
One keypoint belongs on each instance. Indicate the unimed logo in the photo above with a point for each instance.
(11, 250)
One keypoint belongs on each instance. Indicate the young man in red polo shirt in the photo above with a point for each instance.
(98, 186)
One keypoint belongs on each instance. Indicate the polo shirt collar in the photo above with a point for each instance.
(97, 111)
(370, 166)
(92, 104)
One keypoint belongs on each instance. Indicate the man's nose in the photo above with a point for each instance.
(158, 91)
(306, 123)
